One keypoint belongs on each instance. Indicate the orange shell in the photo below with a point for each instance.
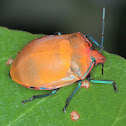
(53, 61)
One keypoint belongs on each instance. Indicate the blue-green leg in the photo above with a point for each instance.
(95, 42)
(40, 96)
(57, 33)
(69, 98)
(103, 82)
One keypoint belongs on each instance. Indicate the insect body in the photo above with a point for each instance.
(55, 61)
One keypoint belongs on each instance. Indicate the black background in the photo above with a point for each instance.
(69, 16)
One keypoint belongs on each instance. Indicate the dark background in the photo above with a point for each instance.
(68, 16)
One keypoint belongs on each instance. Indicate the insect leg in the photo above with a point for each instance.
(69, 98)
(57, 33)
(95, 42)
(40, 96)
(103, 82)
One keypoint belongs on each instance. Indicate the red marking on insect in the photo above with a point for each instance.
(10, 61)
(85, 84)
(74, 116)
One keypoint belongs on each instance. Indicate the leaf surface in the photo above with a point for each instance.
(98, 106)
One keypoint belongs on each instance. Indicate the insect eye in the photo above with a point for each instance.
(92, 48)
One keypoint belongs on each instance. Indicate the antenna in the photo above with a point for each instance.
(103, 27)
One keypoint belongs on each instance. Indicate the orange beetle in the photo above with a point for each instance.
(54, 61)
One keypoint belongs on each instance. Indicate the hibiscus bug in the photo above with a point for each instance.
(54, 61)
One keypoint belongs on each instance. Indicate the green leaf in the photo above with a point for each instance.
(98, 106)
